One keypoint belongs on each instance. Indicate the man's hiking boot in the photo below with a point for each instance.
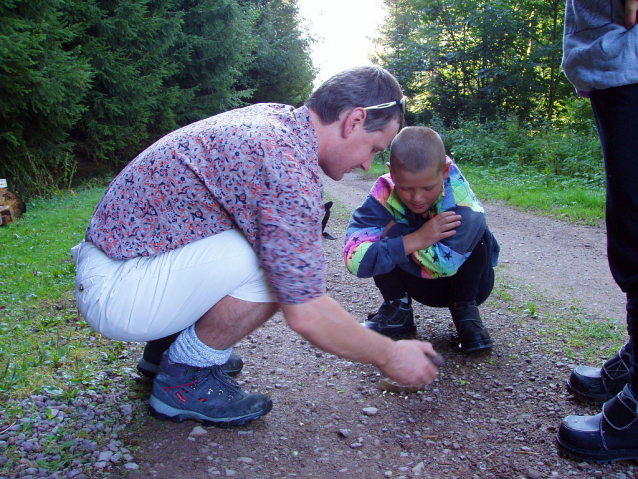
(609, 436)
(208, 395)
(149, 363)
(600, 385)
(395, 319)
(473, 335)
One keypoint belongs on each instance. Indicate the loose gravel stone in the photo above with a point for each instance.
(54, 423)
(198, 431)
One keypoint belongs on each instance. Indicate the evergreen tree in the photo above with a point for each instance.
(214, 51)
(130, 102)
(281, 70)
(43, 81)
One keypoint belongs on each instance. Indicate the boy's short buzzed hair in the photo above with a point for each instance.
(417, 148)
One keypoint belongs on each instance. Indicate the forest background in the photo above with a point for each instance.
(85, 85)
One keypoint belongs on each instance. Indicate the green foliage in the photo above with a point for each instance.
(476, 59)
(556, 171)
(43, 81)
(95, 81)
(550, 151)
(214, 52)
(127, 45)
(281, 70)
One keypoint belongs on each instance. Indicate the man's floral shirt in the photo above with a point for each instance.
(254, 168)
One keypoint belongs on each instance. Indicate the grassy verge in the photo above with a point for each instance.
(44, 343)
(582, 337)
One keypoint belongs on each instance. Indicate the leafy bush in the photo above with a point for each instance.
(557, 153)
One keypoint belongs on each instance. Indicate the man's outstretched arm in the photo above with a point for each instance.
(324, 323)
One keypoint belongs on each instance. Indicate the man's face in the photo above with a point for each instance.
(357, 150)
(419, 191)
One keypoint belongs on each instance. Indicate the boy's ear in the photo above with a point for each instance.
(446, 171)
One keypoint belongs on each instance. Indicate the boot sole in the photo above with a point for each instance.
(163, 411)
(598, 457)
(402, 336)
(411, 334)
(476, 349)
(593, 399)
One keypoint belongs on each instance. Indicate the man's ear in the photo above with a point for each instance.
(355, 119)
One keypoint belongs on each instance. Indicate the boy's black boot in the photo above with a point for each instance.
(395, 319)
(149, 363)
(473, 335)
(609, 436)
(601, 385)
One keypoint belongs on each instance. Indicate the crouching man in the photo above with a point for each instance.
(216, 226)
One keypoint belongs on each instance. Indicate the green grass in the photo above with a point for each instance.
(565, 326)
(36, 259)
(569, 199)
(561, 198)
(593, 337)
(44, 343)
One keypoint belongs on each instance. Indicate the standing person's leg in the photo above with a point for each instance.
(462, 293)
(613, 434)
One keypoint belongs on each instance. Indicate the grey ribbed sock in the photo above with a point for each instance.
(188, 349)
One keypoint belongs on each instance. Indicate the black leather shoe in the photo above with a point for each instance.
(149, 363)
(473, 335)
(609, 436)
(600, 385)
(395, 319)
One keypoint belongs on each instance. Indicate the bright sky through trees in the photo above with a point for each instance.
(345, 29)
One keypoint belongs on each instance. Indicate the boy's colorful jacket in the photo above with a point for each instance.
(367, 254)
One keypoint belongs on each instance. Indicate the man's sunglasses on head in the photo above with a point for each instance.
(389, 104)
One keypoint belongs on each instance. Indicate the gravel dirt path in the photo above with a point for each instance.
(492, 416)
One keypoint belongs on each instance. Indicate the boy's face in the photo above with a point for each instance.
(419, 191)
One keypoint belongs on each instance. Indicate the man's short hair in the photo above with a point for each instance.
(359, 87)
(417, 148)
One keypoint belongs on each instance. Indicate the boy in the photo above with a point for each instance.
(422, 235)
